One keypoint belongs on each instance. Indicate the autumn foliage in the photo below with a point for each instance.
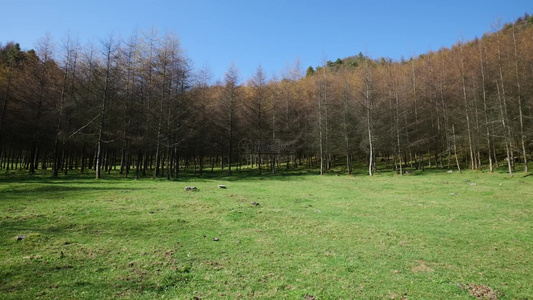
(138, 106)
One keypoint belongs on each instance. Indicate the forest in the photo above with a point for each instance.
(138, 107)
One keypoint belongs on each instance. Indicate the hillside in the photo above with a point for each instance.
(141, 109)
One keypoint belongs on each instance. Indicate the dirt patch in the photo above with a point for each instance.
(481, 291)
(395, 296)
(217, 266)
(421, 268)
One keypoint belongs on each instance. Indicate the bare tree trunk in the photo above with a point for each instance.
(477, 151)
(320, 131)
(415, 103)
(109, 48)
(345, 101)
(397, 121)
(159, 127)
(463, 82)
(485, 108)
(503, 112)
(83, 157)
(519, 95)
(231, 78)
(130, 83)
(505, 128)
(37, 138)
(455, 150)
(368, 104)
(60, 118)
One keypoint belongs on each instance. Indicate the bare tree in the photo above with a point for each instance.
(70, 52)
(229, 106)
(45, 51)
(368, 107)
(485, 106)
(256, 107)
(517, 59)
(465, 102)
(500, 85)
(109, 49)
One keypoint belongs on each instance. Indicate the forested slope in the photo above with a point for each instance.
(137, 105)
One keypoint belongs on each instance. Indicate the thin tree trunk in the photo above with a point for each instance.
(505, 128)
(320, 133)
(455, 149)
(463, 82)
(60, 118)
(485, 108)
(368, 103)
(103, 111)
(397, 121)
(345, 128)
(519, 95)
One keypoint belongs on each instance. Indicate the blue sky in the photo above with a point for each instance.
(216, 33)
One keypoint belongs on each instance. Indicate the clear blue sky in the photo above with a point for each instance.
(272, 33)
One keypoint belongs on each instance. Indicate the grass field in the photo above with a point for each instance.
(429, 235)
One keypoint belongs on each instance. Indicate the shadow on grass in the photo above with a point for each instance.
(41, 188)
(26, 187)
(281, 174)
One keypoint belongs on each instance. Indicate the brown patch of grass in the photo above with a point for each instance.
(481, 291)
(421, 268)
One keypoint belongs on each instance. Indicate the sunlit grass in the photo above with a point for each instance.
(425, 235)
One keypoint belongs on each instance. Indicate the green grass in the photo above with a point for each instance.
(421, 236)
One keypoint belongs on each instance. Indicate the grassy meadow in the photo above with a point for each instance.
(427, 235)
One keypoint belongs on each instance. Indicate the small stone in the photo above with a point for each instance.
(473, 184)
(255, 203)
(453, 194)
(215, 239)
(131, 264)
(221, 186)
(190, 188)
(20, 237)
(449, 171)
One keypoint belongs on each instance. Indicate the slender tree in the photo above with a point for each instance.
(109, 49)
(229, 103)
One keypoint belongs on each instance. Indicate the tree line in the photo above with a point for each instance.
(137, 106)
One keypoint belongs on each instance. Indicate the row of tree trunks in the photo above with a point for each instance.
(137, 104)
